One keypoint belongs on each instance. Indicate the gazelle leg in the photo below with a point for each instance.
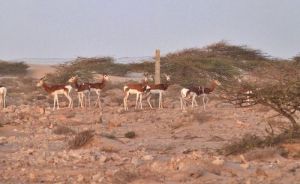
(141, 104)
(99, 100)
(125, 101)
(204, 103)
(1, 101)
(69, 99)
(149, 102)
(83, 100)
(4, 100)
(136, 100)
(159, 101)
(57, 102)
(207, 99)
(89, 97)
(193, 100)
(181, 105)
(79, 99)
(54, 101)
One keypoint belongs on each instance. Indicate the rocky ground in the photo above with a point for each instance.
(169, 145)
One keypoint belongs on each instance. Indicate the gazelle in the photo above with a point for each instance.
(81, 89)
(56, 90)
(158, 89)
(194, 91)
(138, 89)
(97, 88)
(3, 92)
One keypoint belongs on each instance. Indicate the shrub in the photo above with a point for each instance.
(249, 142)
(81, 139)
(13, 68)
(63, 130)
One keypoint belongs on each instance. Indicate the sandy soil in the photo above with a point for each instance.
(171, 146)
(37, 71)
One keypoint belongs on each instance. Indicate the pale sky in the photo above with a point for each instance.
(119, 28)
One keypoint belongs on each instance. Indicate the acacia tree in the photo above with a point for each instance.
(276, 86)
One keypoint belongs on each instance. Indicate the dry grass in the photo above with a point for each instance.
(130, 135)
(261, 153)
(214, 169)
(109, 149)
(201, 117)
(250, 142)
(81, 139)
(109, 136)
(125, 176)
(10, 68)
(63, 130)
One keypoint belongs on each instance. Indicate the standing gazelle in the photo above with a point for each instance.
(98, 87)
(158, 89)
(138, 89)
(3, 92)
(81, 89)
(194, 91)
(56, 90)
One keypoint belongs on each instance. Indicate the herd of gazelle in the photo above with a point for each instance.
(138, 89)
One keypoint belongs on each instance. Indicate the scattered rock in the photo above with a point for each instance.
(148, 157)
(80, 178)
(218, 161)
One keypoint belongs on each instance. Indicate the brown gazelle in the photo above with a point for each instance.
(3, 92)
(158, 89)
(97, 88)
(194, 91)
(81, 90)
(138, 89)
(56, 90)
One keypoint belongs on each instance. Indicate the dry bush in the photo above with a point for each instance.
(278, 89)
(262, 153)
(201, 117)
(81, 139)
(125, 176)
(109, 149)
(219, 61)
(109, 136)
(85, 68)
(176, 125)
(250, 142)
(13, 68)
(63, 130)
(214, 169)
(130, 135)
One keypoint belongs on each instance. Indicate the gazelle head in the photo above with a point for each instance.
(151, 78)
(105, 77)
(41, 82)
(73, 79)
(146, 77)
(168, 78)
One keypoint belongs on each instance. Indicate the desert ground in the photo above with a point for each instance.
(166, 145)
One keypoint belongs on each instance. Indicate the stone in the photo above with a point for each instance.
(103, 158)
(218, 161)
(80, 178)
(148, 157)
